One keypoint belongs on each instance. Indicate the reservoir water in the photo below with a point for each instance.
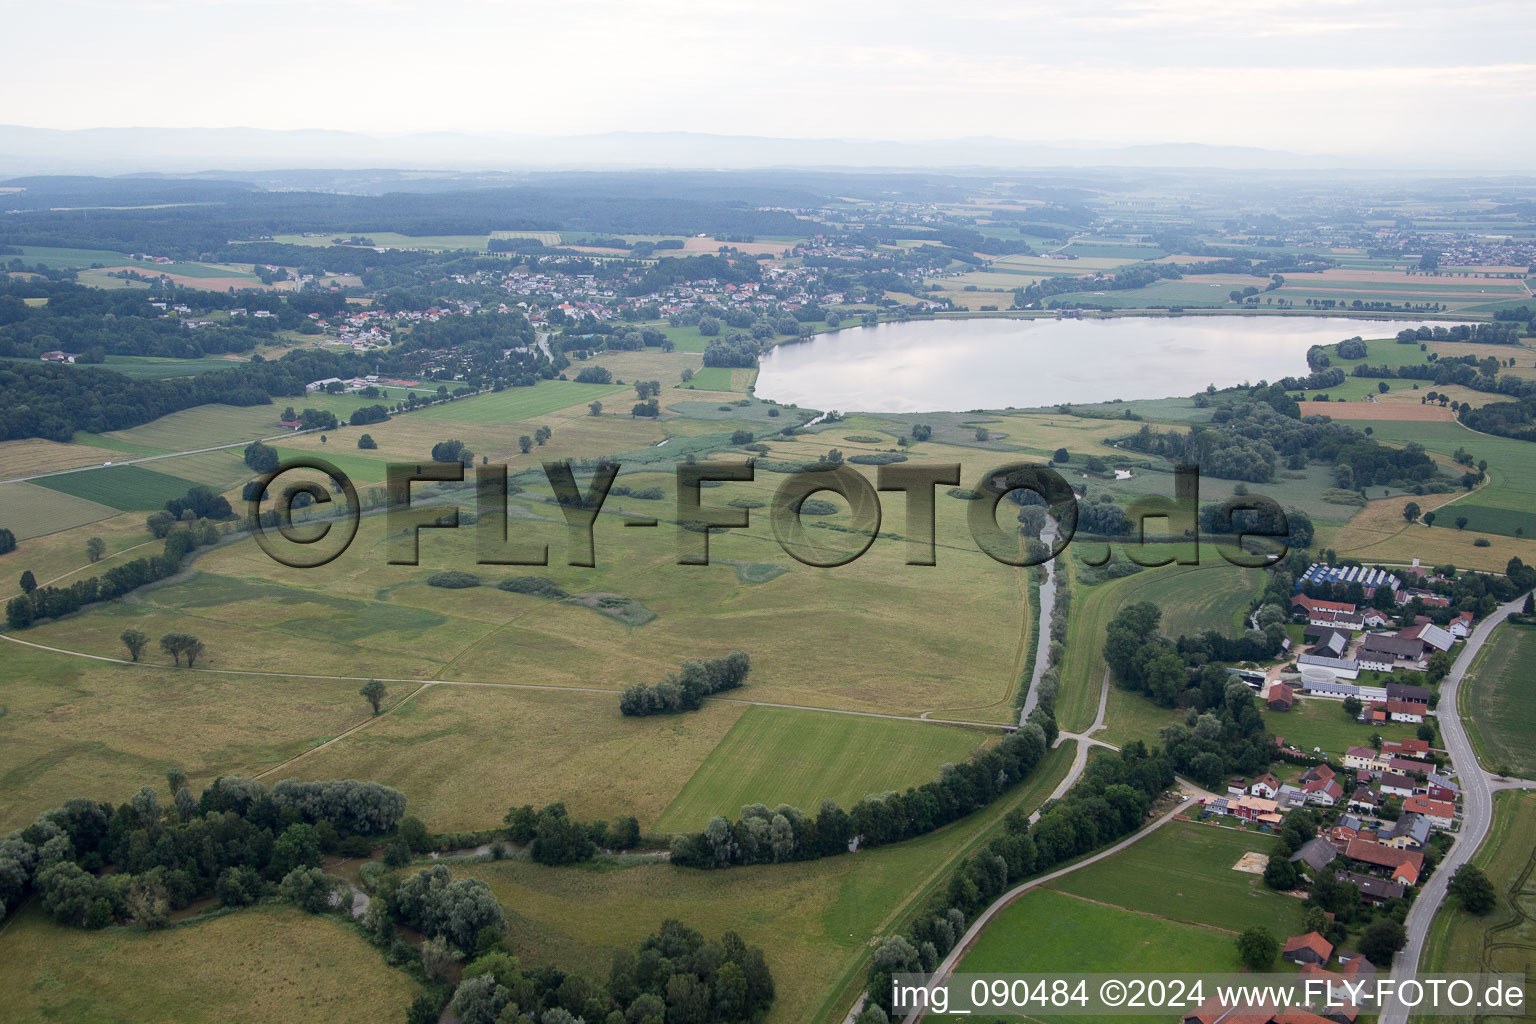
(929, 365)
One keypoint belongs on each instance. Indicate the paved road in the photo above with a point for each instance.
(1477, 810)
(947, 966)
(1042, 624)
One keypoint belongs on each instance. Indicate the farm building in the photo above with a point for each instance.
(1310, 948)
(1372, 889)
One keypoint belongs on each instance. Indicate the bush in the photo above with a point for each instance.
(537, 586)
(453, 579)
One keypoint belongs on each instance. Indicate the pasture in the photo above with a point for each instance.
(55, 258)
(255, 966)
(74, 727)
(132, 488)
(463, 755)
(1183, 872)
(1498, 702)
(813, 919)
(778, 755)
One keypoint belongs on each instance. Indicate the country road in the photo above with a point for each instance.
(1477, 811)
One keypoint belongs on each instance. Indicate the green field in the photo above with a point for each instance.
(712, 378)
(129, 488)
(1316, 722)
(255, 966)
(1498, 701)
(1047, 931)
(778, 756)
(156, 368)
(1183, 872)
(30, 510)
(70, 259)
(1504, 504)
(1505, 938)
(1212, 595)
(813, 919)
(514, 405)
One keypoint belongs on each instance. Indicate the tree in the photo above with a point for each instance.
(452, 451)
(1060, 456)
(1257, 948)
(1473, 890)
(1382, 940)
(542, 435)
(95, 548)
(594, 408)
(1429, 519)
(1461, 522)
(1352, 706)
(367, 442)
(179, 644)
(373, 691)
(921, 432)
(261, 458)
(1280, 873)
(7, 541)
(983, 434)
(1411, 511)
(525, 444)
(135, 640)
(28, 582)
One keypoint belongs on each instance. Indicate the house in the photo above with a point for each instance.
(1290, 796)
(1408, 832)
(1237, 786)
(1339, 834)
(1375, 618)
(321, 385)
(1310, 948)
(1254, 808)
(1415, 748)
(1406, 711)
(1323, 792)
(1383, 652)
(1438, 787)
(57, 356)
(1340, 614)
(1364, 800)
(1316, 853)
(1461, 626)
(1365, 758)
(1317, 772)
(1280, 697)
(1372, 890)
(1266, 786)
(1393, 784)
(1430, 635)
(1440, 813)
(1327, 641)
(1355, 965)
(1406, 765)
(1399, 865)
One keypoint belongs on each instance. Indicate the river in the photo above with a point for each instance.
(995, 363)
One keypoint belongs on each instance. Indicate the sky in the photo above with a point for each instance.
(1382, 77)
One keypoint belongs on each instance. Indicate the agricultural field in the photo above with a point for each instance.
(1193, 598)
(131, 488)
(158, 368)
(1184, 872)
(253, 966)
(1379, 532)
(1498, 702)
(812, 919)
(70, 259)
(32, 510)
(1505, 938)
(777, 755)
(513, 405)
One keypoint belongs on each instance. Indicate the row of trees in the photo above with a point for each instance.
(1112, 799)
(553, 837)
(762, 836)
(685, 689)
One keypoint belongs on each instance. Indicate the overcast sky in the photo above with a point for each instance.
(1352, 77)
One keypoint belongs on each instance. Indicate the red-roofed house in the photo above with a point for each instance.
(1310, 948)
(1440, 813)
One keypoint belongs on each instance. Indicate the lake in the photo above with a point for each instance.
(929, 365)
